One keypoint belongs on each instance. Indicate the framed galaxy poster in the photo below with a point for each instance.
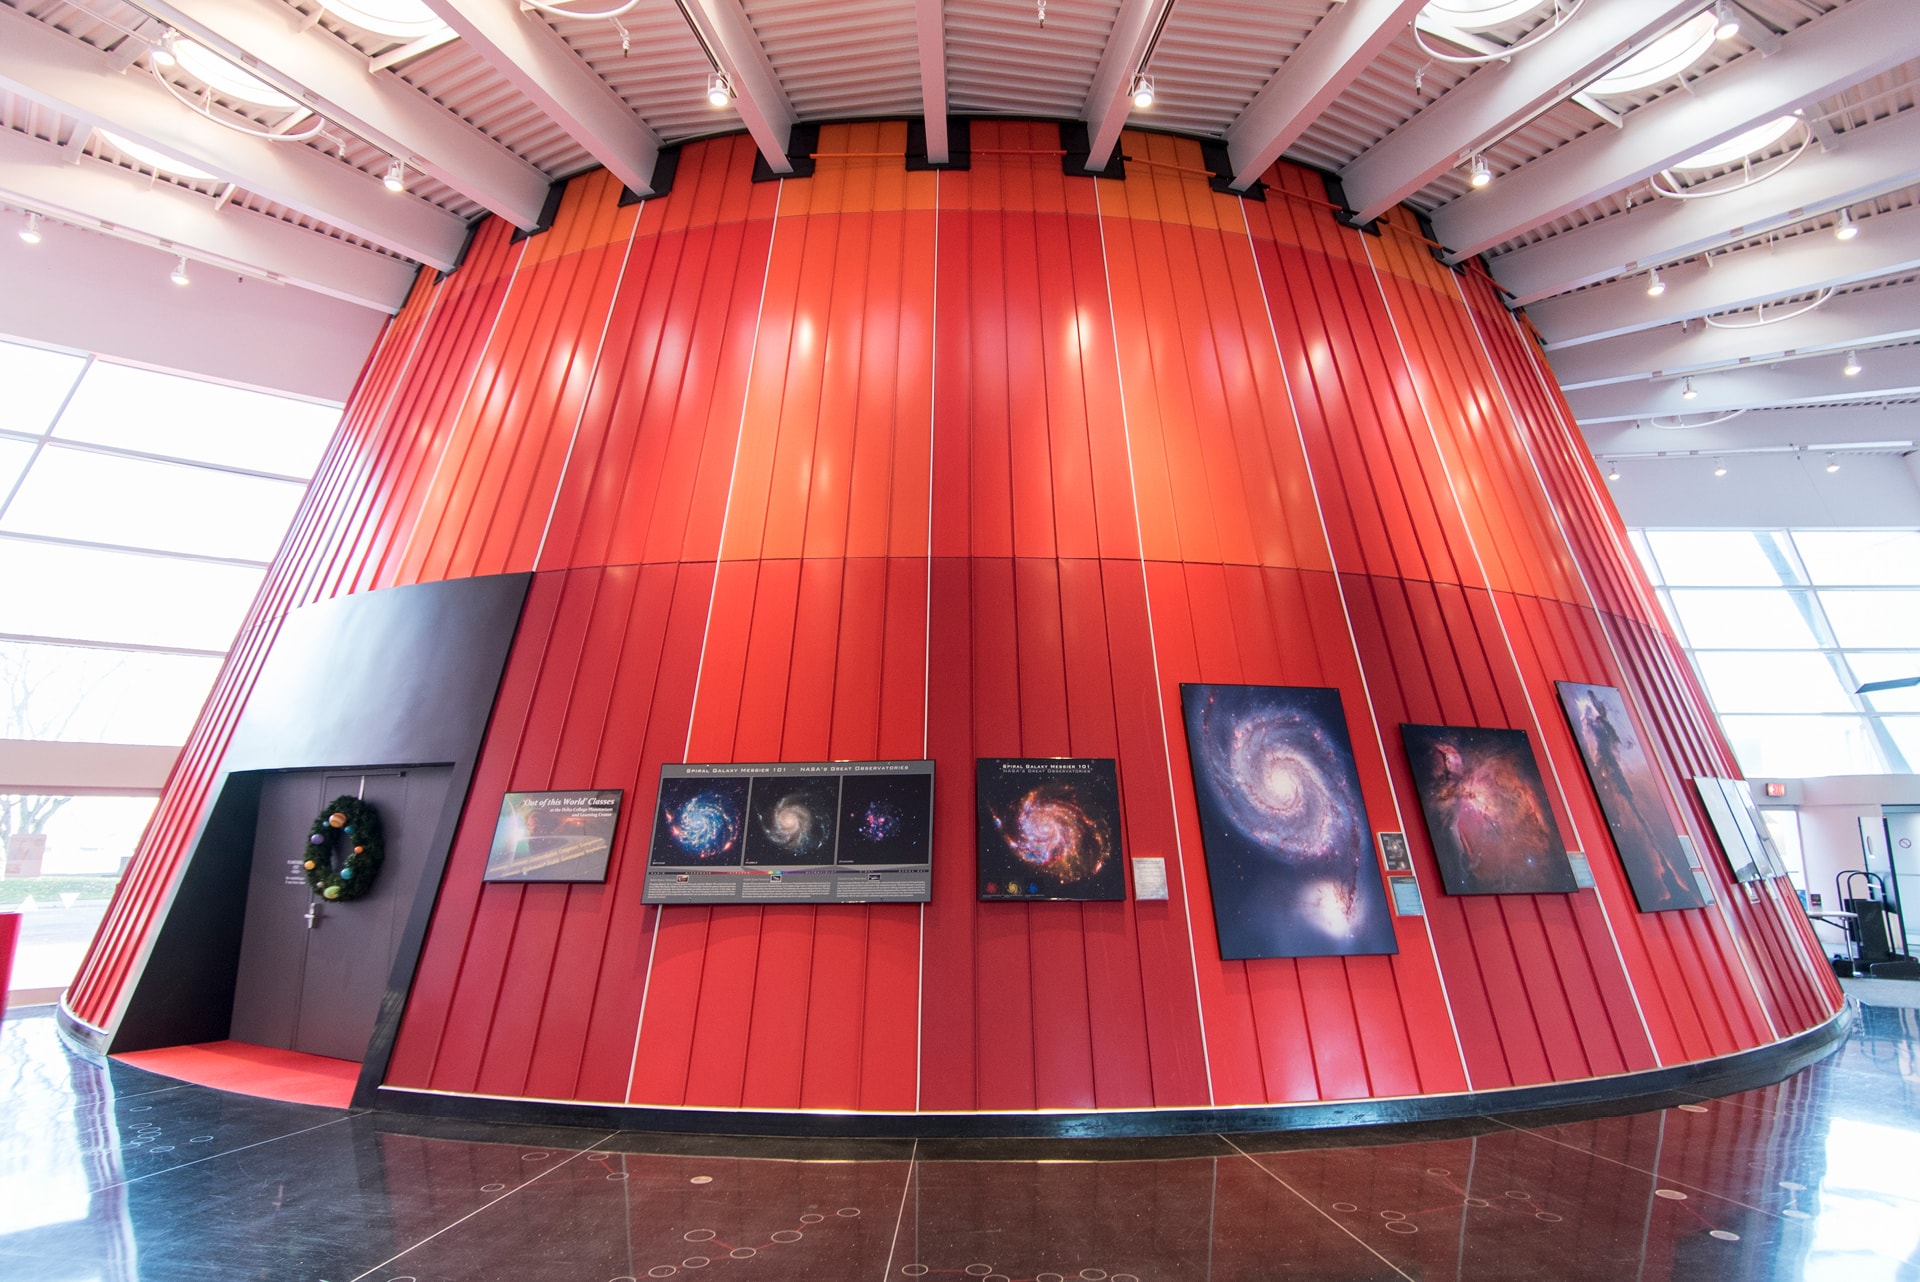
(1487, 811)
(1289, 851)
(785, 832)
(1049, 828)
(1630, 797)
(553, 836)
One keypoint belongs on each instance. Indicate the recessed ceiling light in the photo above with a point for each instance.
(210, 69)
(1741, 145)
(31, 232)
(408, 19)
(155, 160)
(1478, 15)
(1663, 59)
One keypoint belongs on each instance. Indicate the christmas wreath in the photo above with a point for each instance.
(352, 823)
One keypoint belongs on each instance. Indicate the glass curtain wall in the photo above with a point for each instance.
(1785, 626)
(138, 514)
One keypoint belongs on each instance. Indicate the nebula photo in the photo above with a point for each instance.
(791, 820)
(1487, 811)
(885, 819)
(1289, 851)
(699, 822)
(1049, 828)
(1630, 796)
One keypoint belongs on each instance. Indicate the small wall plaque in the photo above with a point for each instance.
(1406, 898)
(1149, 877)
(1394, 854)
(1582, 870)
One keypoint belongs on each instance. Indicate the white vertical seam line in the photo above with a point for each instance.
(1153, 649)
(1533, 712)
(926, 637)
(713, 592)
(586, 395)
(1346, 615)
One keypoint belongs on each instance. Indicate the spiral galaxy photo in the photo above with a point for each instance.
(1289, 850)
(1049, 828)
(699, 823)
(885, 819)
(791, 820)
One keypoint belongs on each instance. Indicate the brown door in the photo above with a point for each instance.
(312, 973)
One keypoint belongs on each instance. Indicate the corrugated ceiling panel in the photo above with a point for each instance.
(1215, 55)
(854, 58)
(1000, 61)
(661, 73)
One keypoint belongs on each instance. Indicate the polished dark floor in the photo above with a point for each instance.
(111, 1174)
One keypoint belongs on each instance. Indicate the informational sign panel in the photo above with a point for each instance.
(811, 832)
(554, 836)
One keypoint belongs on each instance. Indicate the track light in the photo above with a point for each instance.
(1655, 286)
(1852, 366)
(162, 53)
(1845, 228)
(1686, 390)
(396, 179)
(179, 273)
(1726, 20)
(1613, 471)
(1833, 464)
(1143, 91)
(719, 89)
(1719, 467)
(31, 232)
(1479, 173)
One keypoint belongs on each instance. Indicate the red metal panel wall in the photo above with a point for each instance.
(879, 464)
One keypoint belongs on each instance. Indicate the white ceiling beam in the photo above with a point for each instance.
(1111, 97)
(331, 77)
(60, 72)
(1844, 47)
(1829, 425)
(42, 177)
(1500, 97)
(1334, 53)
(1877, 159)
(758, 97)
(1888, 245)
(537, 62)
(930, 19)
(1869, 318)
(1888, 374)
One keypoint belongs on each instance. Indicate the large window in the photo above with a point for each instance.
(1785, 626)
(138, 514)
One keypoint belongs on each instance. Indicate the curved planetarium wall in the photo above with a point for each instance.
(881, 464)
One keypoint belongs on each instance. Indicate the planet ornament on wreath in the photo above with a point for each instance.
(344, 849)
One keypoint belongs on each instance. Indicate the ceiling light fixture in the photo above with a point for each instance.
(1852, 366)
(179, 273)
(1726, 20)
(1686, 390)
(407, 19)
(1450, 20)
(1479, 173)
(1736, 156)
(1845, 228)
(1719, 467)
(151, 158)
(1655, 286)
(160, 53)
(31, 232)
(1613, 471)
(1662, 60)
(1143, 91)
(719, 89)
(396, 179)
(1833, 464)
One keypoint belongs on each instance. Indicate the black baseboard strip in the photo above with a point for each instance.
(1627, 1092)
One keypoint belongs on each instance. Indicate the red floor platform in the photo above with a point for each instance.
(246, 1069)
